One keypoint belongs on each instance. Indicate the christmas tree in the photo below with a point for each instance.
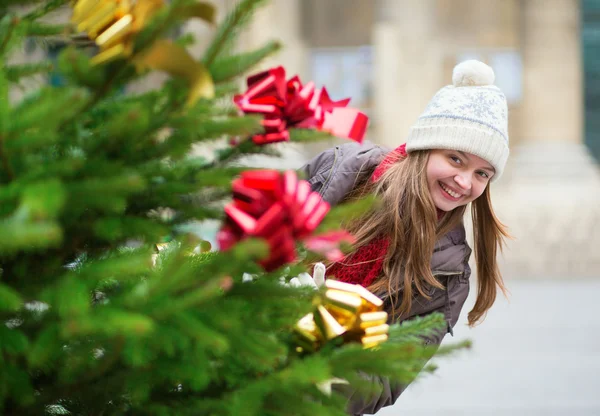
(110, 301)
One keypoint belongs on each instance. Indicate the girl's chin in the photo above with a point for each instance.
(445, 209)
(446, 206)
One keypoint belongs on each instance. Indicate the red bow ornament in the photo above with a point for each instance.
(288, 104)
(279, 208)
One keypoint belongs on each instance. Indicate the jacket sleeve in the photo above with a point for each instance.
(334, 172)
(385, 392)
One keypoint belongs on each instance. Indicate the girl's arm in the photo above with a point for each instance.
(334, 172)
(383, 391)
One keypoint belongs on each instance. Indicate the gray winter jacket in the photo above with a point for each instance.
(333, 173)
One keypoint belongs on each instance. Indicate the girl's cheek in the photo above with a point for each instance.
(480, 190)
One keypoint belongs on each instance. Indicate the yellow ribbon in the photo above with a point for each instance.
(113, 24)
(347, 311)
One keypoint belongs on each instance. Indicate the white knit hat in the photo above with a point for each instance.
(471, 116)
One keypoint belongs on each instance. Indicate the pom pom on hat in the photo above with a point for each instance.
(472, 73)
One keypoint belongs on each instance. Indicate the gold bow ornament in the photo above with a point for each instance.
(113, 25)
(345, 311)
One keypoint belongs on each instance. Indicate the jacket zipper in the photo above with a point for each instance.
(443, 273)
(326, 184)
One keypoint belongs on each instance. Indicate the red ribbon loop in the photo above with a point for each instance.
(288, 104)
(277, 207)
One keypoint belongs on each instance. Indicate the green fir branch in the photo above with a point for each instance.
(228, 89)
(414, 329)
(13, 3)
(449, 349)
(43, 29)
(161, 23)
(345, 213)
(99, 93)
(14, 73)
(216, 128)
(74, 65)
(5, 119)
(218, 177)
(228, 31)
(16, 235)
(46, 8)
(227, 68)
(309, 135)
(231, 154)
(7, 27)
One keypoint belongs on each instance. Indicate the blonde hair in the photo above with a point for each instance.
(406, 215)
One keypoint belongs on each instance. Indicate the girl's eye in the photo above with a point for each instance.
(456, 159)
(483, 174)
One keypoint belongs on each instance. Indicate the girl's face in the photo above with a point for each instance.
(456, 178)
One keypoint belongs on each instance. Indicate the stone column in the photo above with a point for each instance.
(553, 100)
(550, 197)
(280, 20)
(407, 66)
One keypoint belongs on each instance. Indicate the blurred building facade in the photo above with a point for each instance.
(391, 56)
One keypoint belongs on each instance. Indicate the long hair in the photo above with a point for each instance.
(488, 234)
(405, 214)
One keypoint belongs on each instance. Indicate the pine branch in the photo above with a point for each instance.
(451, 348)
(8, 6)
(186, 40)
(5, 113)
(28, 236)
(218, 177)
(230, 67)
(7, 26)
(230, 28)
(39, 110)
(164, 20)
(43, 29)
(229, 88)
(107, 362)
(119, 228)
(345, 213)
(12, 3)
(45, 9)
(309, 135)
(14, 73)
(413, 329)
(74, 65)
(100, 92)
(216, 128)
(247, 147)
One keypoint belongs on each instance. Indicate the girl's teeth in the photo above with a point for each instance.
(451, 193)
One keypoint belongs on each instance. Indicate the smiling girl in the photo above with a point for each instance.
(411, 248)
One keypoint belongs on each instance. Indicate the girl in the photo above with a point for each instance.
(411, 248)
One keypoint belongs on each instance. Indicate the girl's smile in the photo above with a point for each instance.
(450, 193)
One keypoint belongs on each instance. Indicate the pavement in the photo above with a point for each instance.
(537, 353)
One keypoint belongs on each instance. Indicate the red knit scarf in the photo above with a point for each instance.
(365, 264)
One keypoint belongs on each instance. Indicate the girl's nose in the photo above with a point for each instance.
(464, 181)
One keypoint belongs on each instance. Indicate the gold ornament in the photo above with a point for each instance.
(113, 24)
(343, 310)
